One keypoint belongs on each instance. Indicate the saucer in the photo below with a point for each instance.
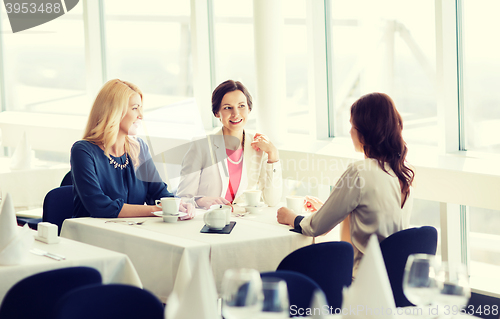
(160, 214)
(254, 209)
(260, 205)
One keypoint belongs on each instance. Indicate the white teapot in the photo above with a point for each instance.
(215, 218)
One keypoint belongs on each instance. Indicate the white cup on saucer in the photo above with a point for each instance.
(215, 218)
(295, 203)
(252, 197)
(169, 205)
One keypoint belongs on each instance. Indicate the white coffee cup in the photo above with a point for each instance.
(228, 210)
(215, 218)
(295, 203)
(252, 197)
(169, 205)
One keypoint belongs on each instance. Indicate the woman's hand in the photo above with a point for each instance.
(312, 204)
(262, 142)
(208, 201)
(286, 216)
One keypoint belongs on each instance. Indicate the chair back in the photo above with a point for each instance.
(329, 264)
(109, 301)
(35, 296)
(397, 247)
(300, 288)
(58, 205)
(67, 179)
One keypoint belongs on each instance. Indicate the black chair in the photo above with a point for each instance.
(329, 264)
(35, 296)
(67, 180)
(397, 247)
(33, 222)
(300, 288)
(109, 301)
(58, 205)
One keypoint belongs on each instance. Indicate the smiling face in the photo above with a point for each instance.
(132, 119)
(233, 112)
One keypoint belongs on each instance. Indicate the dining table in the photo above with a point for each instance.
(156, 248)
(113, 266)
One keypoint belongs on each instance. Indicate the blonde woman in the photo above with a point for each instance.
(112, 173)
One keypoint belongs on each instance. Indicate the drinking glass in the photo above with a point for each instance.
(454, 289)
(241, 293)
(419, 282)
(276, 302)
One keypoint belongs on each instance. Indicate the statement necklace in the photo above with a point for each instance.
(116, 165)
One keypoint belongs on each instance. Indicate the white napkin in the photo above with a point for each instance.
(370, 295)
(14, 242)
(194, 294)
(21, 159)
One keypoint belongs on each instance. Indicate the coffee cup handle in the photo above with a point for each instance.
(157, 202)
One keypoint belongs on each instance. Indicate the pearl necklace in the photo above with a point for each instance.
(237, 162)
(116, 165)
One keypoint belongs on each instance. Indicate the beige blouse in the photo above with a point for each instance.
(372, 197)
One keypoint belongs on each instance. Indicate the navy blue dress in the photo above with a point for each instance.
(100, 189)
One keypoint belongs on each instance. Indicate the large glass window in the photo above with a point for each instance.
(45, 66)
(149, 44)
(481, 75)
(235, 59)
(386, 46)
(296, 64)
(484, 248)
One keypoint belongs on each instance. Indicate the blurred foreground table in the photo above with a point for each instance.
(114, 267)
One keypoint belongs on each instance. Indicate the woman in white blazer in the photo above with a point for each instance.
(218, 169)
(373, 195)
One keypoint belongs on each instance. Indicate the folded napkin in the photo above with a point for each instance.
(370, 295)
(21, 159)
(14, 242)
(194, 294)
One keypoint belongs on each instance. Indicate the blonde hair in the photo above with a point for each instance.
(109, 108)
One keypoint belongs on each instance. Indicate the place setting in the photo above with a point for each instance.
(170, 209)
(252, 205)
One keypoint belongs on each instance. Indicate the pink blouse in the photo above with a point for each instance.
(235, 166)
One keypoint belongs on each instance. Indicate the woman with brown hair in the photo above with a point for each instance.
(217, 170)
(373, 195)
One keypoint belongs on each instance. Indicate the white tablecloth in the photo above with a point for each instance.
(114, 267)
(155, 248)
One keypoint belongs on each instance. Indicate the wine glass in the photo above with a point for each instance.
(454, 289)
(241, 293)
(275, 303)
(419, 282)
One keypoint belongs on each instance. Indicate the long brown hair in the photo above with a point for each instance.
(380, 128)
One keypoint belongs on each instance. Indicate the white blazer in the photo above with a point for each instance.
(205, 172)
